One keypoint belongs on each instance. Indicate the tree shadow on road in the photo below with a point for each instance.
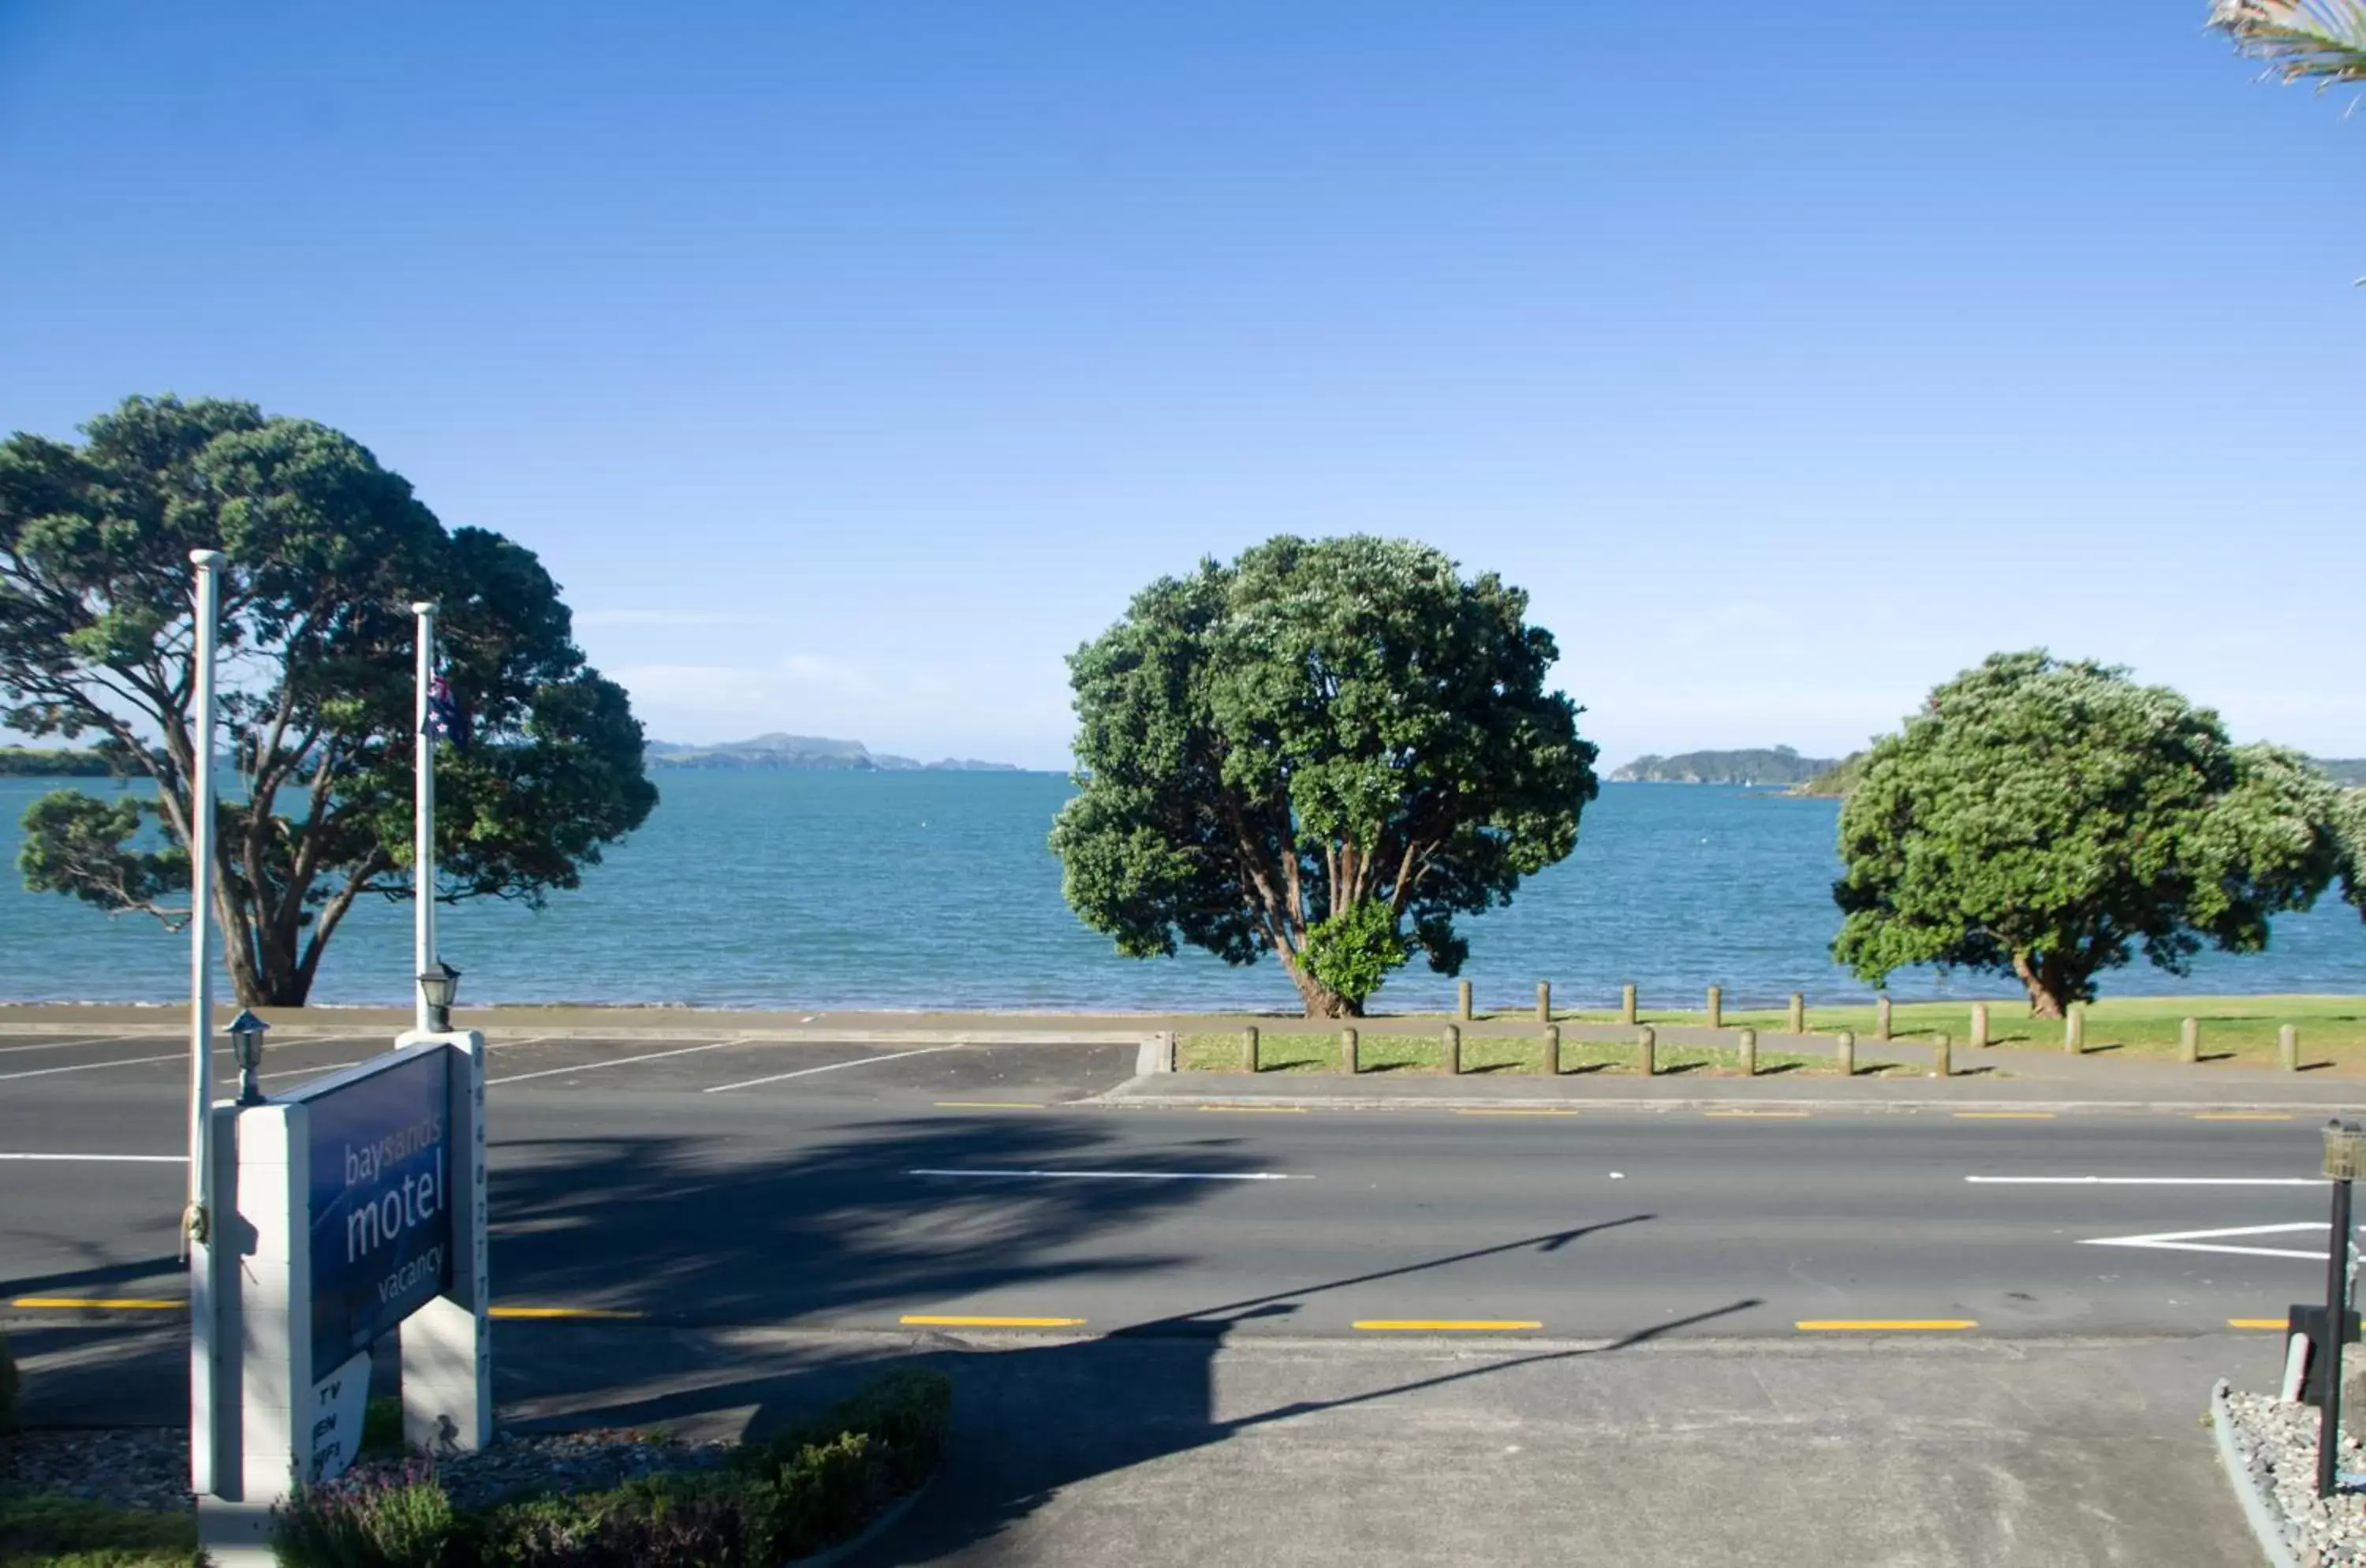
(700, 1241)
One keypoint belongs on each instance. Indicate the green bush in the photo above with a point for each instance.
(8, 1386)
(782, 1498)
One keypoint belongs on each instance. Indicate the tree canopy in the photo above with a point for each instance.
(2050, 819)
(326, 550)
(2299, 41)
(1325, 750)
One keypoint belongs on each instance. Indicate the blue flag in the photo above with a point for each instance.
(446, 719)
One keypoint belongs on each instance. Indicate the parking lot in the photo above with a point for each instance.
(84, 1068)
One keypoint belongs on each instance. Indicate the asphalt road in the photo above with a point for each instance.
(1626, 1336)
(853, 1186)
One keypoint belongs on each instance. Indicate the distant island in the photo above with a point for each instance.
(55, 762)
(1781, 766)
(778, 750)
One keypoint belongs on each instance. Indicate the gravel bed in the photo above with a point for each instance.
(148, 1467)
(2277, 1444)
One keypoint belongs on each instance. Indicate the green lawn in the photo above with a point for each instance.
(1295, 1052)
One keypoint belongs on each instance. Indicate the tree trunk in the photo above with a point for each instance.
(2048, 988)
(1321, 1000)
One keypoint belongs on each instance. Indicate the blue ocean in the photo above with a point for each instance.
(936, 890)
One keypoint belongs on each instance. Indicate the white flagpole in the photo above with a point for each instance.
(198, 1222)
(423, 830)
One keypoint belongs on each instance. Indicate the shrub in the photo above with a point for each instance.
(8, 1386)
(77, 1532)
(371, 1520)
(795, 1494)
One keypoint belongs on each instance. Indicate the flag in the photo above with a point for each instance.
(446, 719)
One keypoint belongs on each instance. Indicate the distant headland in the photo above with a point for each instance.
(778, 750)
(1776, 765)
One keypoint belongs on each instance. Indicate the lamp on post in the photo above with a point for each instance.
(438, 984)
(246, 1033)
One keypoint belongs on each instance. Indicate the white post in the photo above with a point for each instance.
(205, 1430)
(423, 828)
(447, 1345)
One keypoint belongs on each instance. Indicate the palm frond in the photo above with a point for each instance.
(2319, 40)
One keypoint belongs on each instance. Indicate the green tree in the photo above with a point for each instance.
(2301, 40)
(1318, 729)
(2048, 819)
(327, 550)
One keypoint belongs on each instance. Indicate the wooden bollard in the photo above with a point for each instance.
(2288, 1047)
(1463, 999)
(1716, 1007)
(1249, 1048)
(1844, 1053)
(2189, 1040)
(1552, 1049)
(1881, 1017)
(1750, 1053)
(1627, 1004)
(2074, 1030)
(1798, 1013)
(1979, 1026)
(1646, 1052)
(1347, 1062)
(1451, 1056)
(1544, 1001)
(1942, 1061)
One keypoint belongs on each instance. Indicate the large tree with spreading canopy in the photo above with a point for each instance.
(326, 552)
(2050, 819)
(1325, 750)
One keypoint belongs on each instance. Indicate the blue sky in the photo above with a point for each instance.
(851, 363)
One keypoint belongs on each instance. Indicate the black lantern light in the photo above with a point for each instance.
(246, 1033)
(437, 986)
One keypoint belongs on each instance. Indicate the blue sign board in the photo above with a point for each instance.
(380, 1202)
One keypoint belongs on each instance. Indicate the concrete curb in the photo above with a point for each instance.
(832, 1556)
(2258, 1512)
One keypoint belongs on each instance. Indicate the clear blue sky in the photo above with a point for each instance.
(850, 363)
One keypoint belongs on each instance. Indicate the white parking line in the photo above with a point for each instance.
(831, 1067)
(94, 1066)
(105, 1160)
(613, 1062)
(2149, 1180)
(66, 1044)
(1121, 1175)
(2199, 1241)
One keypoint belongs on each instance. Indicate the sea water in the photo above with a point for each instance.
(937, 890)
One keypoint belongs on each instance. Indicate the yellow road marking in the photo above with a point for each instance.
(2004, 1115)
(2257, 1322)
(1444, 1325)
(920, 1320)
(1511, 1110)
(1264, 1110)
(2242, 1116)
(989, 1105)
(100, 1303)
(589, 1314)
(1880, 1325)
(1776, 1115)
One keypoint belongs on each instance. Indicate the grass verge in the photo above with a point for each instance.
(789, 1496)
(1298, 1051)
(2233, 1028)
(42, 1530)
